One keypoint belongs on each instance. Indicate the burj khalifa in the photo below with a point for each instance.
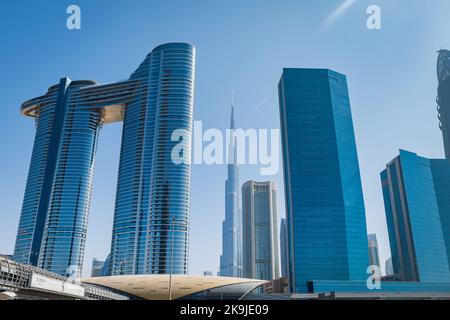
(231, 258)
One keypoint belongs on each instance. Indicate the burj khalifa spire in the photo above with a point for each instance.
(231, 258)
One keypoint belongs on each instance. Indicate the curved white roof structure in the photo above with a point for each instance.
(156, 286)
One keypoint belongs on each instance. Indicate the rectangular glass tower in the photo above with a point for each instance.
(327, 235)
(260, 231)
(413, 202)
(440, 169)
(284, 253)
(374, 257)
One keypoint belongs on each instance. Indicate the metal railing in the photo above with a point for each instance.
(15, 276)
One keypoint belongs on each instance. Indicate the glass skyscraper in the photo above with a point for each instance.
(388, 267)
(151, 219)
(260, 231)
(53, 223)
(416, 195)
(284, 249)
(443, 99)
(440, 168)
(231, 257)
(97, 267)
(374, 257)
(326, 221)
(153, 193)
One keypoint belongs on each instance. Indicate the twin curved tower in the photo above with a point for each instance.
(151, 219)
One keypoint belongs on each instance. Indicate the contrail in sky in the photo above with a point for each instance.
(258, 106)
(336, 14)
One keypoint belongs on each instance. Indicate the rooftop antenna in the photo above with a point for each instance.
(232, 109)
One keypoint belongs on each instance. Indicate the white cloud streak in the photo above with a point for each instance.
(336, 14)
(259, 105)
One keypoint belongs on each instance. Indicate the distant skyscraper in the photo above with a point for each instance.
(284, 249)
(231, 258)
(374, 257)
(106, 270)
(324, 202)
(208, 273)
(411, 189)
(152, 193)
(260, 231)
(97, 267)
(388, 268)
(443, 99)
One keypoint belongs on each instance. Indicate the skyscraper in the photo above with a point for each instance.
(443, 99)
(106, 269)
(260, 231)
(231, 258)
(388, 268)
(97, 267)
(53, 223)
(153, 193)
(284, 249)
(151, 218)
(440, 168)
(374, 257)
(324, 203)
(413, 217)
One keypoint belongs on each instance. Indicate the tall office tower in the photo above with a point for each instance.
(324, 203)
(284, 251)
(152, 103)
(440, 168)
(443, 99)
(151, 219)
(374, 257)
(231, 258)
(260, 231)
(97, 267)
(413, 218)
(53, 223)
(388, 267)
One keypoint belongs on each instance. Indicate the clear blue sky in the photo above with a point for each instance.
(241, 46)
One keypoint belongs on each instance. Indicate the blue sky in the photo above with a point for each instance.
(241, 46)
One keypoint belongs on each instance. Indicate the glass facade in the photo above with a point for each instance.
(260, 231)
(398, 287)
(236, 291)
(231, 257)
(413, 219)
(326, 222)
(440, 169)
(151, 219)
(106, 267)
(153, 194)
(53, 224)
(97, 267)
(443, 98)
(284, 252)
(374, 257)
(388, 268)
